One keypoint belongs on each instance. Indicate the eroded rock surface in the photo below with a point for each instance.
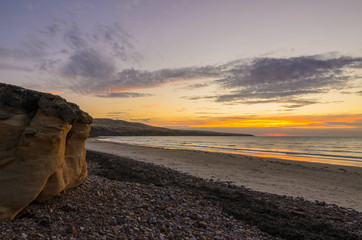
(42, 147)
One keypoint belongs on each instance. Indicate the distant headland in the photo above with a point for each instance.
(110, 127)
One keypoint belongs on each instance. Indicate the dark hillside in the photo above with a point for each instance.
(110, 127)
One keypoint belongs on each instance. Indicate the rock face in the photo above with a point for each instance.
(42, 147)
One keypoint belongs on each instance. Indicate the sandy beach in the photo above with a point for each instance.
(340, 185)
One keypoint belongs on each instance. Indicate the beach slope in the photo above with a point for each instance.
(340, 185)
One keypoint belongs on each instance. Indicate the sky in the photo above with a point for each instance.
(263, 67)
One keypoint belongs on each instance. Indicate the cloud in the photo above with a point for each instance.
(5, 66)
(298, 103)
(357, 123)
(115, 113)
(97, 76)
(88, 63)
(289, 81)
(33, 49)
(196, 86)
(79, 59)
(74, 38)
(144, 79)
(123, 95)
(282, 80)
(140, 119)
(99, 62)
(275, 79)
(92, 57)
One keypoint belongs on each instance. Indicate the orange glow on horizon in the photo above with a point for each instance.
(312, 122)
(122, 90)
(56, 92)
(277, 135)
(151, 106)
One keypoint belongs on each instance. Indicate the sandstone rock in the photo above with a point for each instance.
(42, 147)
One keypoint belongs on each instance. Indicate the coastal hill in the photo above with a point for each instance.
(110, 127)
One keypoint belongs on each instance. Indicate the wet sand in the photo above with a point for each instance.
(340, 185)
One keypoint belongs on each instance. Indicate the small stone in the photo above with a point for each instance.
(72, 229)
(201, 224)
(40, 235)
(163, 228)
(193, 216)
(247, 232)
(23, 236)
(297, 213)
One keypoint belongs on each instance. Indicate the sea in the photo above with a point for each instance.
(345, 151)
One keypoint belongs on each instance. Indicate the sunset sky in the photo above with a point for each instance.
(264, 67)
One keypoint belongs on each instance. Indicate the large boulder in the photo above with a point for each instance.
(42, 147)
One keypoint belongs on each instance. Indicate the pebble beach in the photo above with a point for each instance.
(124, 198)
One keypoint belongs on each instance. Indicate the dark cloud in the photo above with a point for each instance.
(98, 76)
(200, 97)
(130, 78)
(115, 113)
(117, 38)
(88, 63)
(52, 29)
(195, 86)
(97, 62)
(290, 81)
(79, 60)
(48, 65)
(302, 72)
(122, 95)
(92, 56)
(297, 103)
(75, 38)
(140, 119)
(285, 80)
(262, 95)
(357, 123)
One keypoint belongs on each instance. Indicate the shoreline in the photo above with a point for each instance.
(283, 153)
(333, 184)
